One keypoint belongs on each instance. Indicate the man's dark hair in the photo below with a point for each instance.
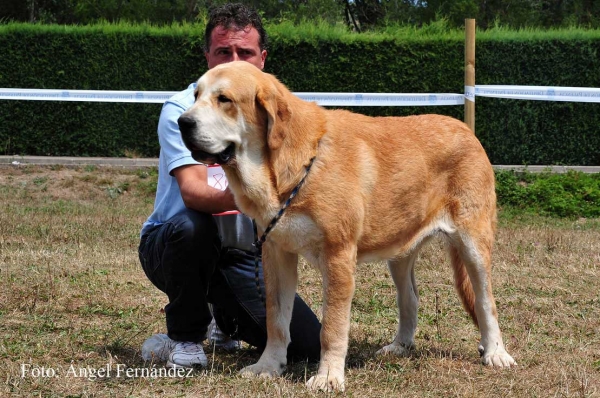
(234, 16)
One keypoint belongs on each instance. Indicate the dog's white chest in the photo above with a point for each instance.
(298, 233)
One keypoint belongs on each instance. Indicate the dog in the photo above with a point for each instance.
(378, 189)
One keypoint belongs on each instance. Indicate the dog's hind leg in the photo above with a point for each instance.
(407, 298)
(472, 252)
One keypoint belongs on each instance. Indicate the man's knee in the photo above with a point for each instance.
(194, 229)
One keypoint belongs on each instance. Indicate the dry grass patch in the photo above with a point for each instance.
(73, 298)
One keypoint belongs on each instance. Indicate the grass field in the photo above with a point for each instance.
(74, 302)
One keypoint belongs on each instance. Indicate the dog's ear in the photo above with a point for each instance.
(278, 113)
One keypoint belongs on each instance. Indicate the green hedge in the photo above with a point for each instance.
(96, 58)
(306, 58)
(539, 132)
(574, 194)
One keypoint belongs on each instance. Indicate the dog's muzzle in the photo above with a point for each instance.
(227, 155)
(224, 157)
(188, 126)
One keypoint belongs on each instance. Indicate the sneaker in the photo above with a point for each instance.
(218, 339)
(157, 348)
(187, 355)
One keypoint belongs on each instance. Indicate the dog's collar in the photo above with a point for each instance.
(259, 242)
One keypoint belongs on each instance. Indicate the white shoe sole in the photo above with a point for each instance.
(177, 366)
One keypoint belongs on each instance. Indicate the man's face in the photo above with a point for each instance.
(227, 45)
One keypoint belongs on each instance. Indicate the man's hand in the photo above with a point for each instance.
(198, 195)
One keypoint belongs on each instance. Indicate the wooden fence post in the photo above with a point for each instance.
(470, 73)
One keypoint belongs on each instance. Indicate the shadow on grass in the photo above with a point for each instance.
(361, 355)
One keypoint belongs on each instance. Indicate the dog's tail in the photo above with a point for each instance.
(463, 283)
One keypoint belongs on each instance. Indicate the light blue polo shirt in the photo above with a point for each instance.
(235, 229)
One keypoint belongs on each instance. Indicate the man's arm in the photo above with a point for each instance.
(191, 177)
(198, 195)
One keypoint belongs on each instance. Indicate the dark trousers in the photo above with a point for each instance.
(185, 260)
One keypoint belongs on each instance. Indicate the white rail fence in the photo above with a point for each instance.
(537, 93)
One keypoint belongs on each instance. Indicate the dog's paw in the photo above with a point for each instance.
(327, 383)
(262, 370)
(497, 358)
(398, 349)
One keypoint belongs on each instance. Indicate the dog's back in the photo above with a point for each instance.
(412, 174)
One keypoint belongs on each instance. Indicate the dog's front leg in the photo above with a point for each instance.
(281, 277)
(338, 289)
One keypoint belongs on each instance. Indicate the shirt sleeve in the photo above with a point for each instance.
(173, 149)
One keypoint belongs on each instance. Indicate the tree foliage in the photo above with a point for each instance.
(358, 15)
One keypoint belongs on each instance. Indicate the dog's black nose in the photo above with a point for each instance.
(186, 124)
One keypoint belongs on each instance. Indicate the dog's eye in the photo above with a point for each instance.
(223, 99)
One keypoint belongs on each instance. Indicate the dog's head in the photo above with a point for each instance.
(238, 110)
